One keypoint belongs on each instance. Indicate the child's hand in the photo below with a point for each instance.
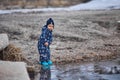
(46, 43)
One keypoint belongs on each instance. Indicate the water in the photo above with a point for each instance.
(83, 71)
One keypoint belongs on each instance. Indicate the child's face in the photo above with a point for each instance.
(50, 27)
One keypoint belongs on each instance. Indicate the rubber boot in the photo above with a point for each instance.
(44, 63)
(49, 62)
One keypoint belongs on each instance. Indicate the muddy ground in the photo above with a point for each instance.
(78, 35)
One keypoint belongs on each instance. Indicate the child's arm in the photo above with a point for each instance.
(43, 36)
(50, 40)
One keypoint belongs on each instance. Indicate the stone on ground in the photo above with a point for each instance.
(4, 42)
(13, 71)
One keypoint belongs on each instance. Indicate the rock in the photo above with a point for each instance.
(4, 42)
(105, 70)
(115, 70)
(13, 71)
(118, 26)
(31, 72)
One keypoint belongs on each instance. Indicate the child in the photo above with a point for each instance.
(44, 42)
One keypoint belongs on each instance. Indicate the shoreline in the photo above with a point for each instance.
(46, 10)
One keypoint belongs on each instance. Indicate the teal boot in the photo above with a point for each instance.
(44, 63)
(49, 62)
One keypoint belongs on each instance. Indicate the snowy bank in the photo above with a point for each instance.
(97, 4)
(92, 5)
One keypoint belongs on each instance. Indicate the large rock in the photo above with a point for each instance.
(118, 26)
(4, 41)
(13, 71)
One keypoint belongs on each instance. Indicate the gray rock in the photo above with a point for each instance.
(13, 71)
(4, 41)
(118, 26)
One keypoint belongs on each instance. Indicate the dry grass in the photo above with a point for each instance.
(90, 56)
(13, 53)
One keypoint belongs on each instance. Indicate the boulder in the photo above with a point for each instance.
(4, 41)
(13, 71)
(118, 26)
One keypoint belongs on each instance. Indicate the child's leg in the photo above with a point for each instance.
(43, 55)
(48, 55)
(43, 58)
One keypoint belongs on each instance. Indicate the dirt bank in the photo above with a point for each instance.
(18, 4)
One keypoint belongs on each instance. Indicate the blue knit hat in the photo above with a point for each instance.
(50, 21)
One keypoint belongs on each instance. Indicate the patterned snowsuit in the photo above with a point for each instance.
(44, 51)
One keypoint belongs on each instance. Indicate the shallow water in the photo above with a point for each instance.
(83, 71)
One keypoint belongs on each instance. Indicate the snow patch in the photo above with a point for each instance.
(92, 5)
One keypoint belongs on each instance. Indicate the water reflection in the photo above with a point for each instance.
(84, 71)
(45, 73)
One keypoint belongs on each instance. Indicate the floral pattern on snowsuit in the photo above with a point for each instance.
(44, 51)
